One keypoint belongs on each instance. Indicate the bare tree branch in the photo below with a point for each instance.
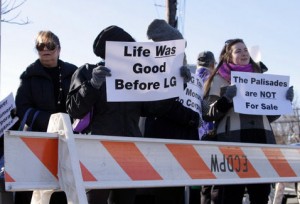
(8, 7)
(287, 127)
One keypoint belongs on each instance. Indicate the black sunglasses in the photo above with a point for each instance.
(50, 46)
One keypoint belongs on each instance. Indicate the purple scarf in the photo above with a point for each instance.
(225, 70)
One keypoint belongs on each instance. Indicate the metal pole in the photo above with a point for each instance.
(171, 8)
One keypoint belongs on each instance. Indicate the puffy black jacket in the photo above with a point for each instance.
(36, 91)
(168, 128)
(115, 118)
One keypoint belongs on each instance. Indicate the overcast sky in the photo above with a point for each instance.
(270, 25)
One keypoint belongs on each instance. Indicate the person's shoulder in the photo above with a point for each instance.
(216, 85)
(68, 65)
(87, 67)
(30, 70)
(219, 78)
(85, 70)
(202, 68)
(202, 71)
(262, 66)
(219, 81)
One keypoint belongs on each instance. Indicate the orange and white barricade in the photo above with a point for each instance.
(61, 160)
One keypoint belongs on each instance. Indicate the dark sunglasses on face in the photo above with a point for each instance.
(49, 45)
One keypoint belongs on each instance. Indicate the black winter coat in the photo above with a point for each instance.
(167, 128)
(36, 91)
(115, 118)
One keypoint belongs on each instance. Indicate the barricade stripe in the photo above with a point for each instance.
(131, 160)
(292, 157)
(239, 163)
(260, 162)
(28, 165)
(190, 160)
(86, 174)
(213, 158)
(8, 178)
(161, 159)
(279, 163)
(99, 161)
(46, 150)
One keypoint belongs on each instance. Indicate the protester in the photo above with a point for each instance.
(235, 127)
(88, 91)
(166, 127)
(43, 89)
(205, 66)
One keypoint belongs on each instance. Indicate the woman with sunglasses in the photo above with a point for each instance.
(235, 127)
(43, 89)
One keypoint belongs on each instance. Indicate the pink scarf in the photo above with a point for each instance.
(225, 70)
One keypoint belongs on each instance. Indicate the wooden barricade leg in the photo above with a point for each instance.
(69, 172)
(279, 192)
(41, 197)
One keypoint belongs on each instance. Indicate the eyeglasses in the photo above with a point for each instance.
(50, 46)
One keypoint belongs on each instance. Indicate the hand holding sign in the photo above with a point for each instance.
(98, 76)
(230, 92)
(290, 93)
(186, 74)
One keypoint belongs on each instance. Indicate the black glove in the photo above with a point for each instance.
(290, 94)
(13, 113)
(98, 76)
(200, 122)
(204, 106)
(230, 92)
(185, 73)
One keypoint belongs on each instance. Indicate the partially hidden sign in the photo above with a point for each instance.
(193, 94)
(6, 121)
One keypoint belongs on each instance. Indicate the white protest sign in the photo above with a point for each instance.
(144, 71)
(261, 94)
(193, 94)
(6, 105)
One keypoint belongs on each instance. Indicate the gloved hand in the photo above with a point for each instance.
(230, 92)
(98, 76)
(185, 73)
(290, 94)
(13, 113)
(205, 107)
(200, 122)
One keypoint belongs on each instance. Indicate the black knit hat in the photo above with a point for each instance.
(206, 59)
(160, 30)
(111, 33)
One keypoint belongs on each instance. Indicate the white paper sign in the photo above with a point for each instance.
(145, 71)
(193, 94)
(6, 105)
(261, 94)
